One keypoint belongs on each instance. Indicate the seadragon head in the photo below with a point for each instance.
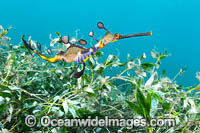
(110, 37)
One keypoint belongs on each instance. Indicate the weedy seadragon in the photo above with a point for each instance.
(79, 54)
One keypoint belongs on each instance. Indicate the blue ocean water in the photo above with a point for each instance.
(175, 26)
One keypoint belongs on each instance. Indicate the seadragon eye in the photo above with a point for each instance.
(116, 36)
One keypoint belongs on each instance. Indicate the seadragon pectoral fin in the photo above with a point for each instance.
(49, 59)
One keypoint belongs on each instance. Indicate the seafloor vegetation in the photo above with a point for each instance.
(29, 85)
